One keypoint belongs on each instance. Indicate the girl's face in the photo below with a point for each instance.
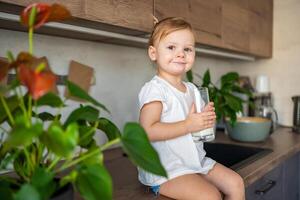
(174, 54)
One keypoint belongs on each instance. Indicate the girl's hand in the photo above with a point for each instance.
(200, 121)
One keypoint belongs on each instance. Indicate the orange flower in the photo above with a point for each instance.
(44, 13)
(37, 82)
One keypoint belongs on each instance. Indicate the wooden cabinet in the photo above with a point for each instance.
(281, 183)
(76, 7)
(235, 25)
(261, 27)
(243, 26)
(134, 14)
(205, 17)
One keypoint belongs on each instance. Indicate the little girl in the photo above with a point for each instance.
(167, 113)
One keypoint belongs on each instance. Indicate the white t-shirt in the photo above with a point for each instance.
(180, 155)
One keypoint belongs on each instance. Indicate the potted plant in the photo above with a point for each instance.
(227, 103)
(45, 152)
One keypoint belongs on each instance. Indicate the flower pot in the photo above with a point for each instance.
(64, 193)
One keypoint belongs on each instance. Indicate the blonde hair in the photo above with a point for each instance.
(166, 26)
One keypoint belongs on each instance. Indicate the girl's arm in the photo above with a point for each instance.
(156, 130)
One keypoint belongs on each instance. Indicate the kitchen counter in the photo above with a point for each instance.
(283, 142)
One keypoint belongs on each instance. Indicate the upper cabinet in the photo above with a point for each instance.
(261, 27)
(204, 16)
(235, 25)
(133, 14)
(243, 26)
(76, 7)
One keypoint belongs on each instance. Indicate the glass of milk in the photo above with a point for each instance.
(201, 100)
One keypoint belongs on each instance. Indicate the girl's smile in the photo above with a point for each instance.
(174, 54)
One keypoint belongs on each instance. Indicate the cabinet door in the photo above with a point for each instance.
(291, 178)
(269, 187)
(235, 25)
(134, 14)
(261, 27)
(204, 16)
(76, 7)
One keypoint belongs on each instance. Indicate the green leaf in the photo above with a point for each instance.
(61, 142)
(228, 112)
(43, 181)
(137, 146)
(86, 134)
(50, 99)
(206, 79)
(76, 91)
(239, 89)
(87, 113)
(94, 182)
(189, 76)
(22, 135)
(27, 192)
(12, 103)
(109, 128)
(10, 56)
(96, 158)
(233, 102)
(6, 191)
(6, 158)
(45, 116)
(229, 78)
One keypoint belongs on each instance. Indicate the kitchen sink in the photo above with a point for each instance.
(234, 156)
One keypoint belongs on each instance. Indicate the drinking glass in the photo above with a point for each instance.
(201, 100)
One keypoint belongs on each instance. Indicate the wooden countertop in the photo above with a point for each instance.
(283, 142)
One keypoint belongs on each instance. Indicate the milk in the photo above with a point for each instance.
(201, 99)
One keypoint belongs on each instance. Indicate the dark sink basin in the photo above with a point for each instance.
(234, 156)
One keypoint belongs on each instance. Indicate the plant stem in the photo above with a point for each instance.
(29, 108)
(80, 158)
(89, 132)
(35, 110)
(30, 167)
(54, 162)
(22, 104)
(110, 143)
(92, 153)
(30, 40)
(11, 119)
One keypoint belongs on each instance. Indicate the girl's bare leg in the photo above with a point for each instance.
(190, 187)
(227, 181)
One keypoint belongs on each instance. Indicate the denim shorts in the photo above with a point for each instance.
(155, 189)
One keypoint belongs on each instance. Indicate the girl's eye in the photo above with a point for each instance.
(171, 47)
(188, 49)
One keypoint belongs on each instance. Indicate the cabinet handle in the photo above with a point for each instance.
(268, 186)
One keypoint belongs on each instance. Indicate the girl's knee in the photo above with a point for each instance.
(239, 182)
(237, 186)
